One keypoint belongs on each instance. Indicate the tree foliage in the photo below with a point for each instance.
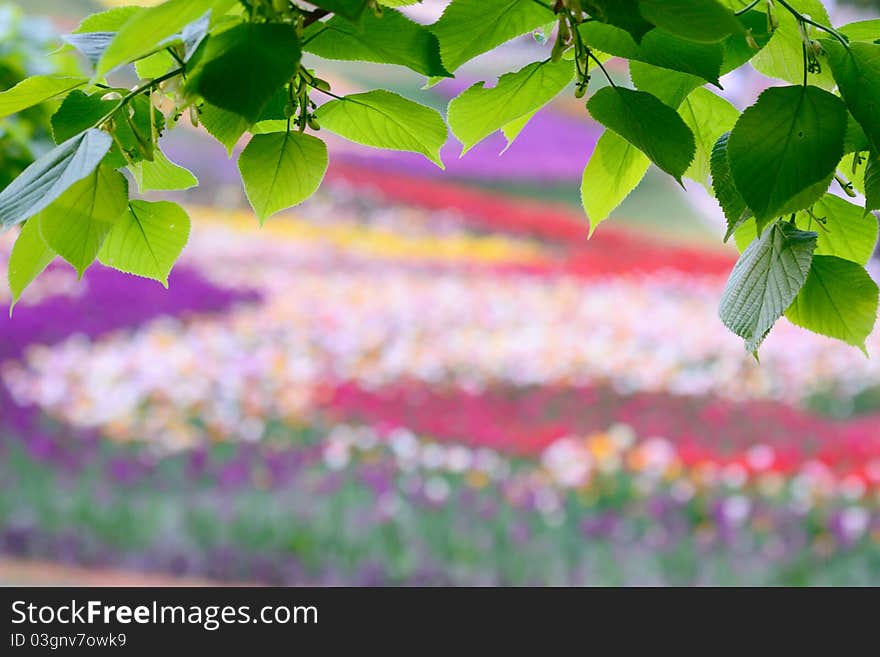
(237, 66)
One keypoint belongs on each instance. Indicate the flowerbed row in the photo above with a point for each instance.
(611, 250)
(381, 325)
(350, 506)
(748, 437)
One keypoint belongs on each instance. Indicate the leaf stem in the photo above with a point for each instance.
(136, 92)
(806, 19)
(595, 59)
(176, 57)
(324, 91)
(748, 8)
(806, 64)
(315, 16)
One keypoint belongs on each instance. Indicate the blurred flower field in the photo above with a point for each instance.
(411, 382)
(430, 378)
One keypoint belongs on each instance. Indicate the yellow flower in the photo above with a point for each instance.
(601, 446)
(477, 479)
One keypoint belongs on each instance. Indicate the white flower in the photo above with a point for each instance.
(736, 509)
(336, 455)
(854, 521)
(437, 489)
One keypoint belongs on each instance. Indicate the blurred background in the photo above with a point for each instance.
(423, 377)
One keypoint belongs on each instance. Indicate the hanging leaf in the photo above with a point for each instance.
(659, 48)
(844, 230)
(77, 223)
(145, 31)
(616, 167)
(732, 203)
(765, 280)
(51, 175)
(161, 174)
(469, 28)
(696, 20)
(240, 69)
(385, 120)
(35, 90)
(649, 125)
(872, 182)
(838, 299)
(280, 170)
(783, 56)
(350, 9)
(107, 21)
(29, 257)
(147, 239)
(91, 44)
(857, 73)
(620, 13)
(388, 39)
(478, 112)
(785, 147)
(672, 87)
(708, 116)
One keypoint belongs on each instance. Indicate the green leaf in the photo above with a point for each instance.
(78, 112)
(672, 87)
(29, 257)
(385, 120)
(147, 239)
(90, 44)
(145, 30)
(872, 182)
(107, 21)
(133, 132)
(783, 57)
(737, 49)
(868, 30)
(659, 48)
(784, 148)
(225, 127)
(240, 69)
(649, 125)
(161, 174)
(838, 299)
(846, 231)
(350, 9)
(51, 175)
(695, 20)
(280, 170)
(511, 130)
(390, 39)
(731, 201)
(843, 228)
(620, 13)
(75, 225)
(857, 72)
(159, 63)
(469, 28)
(228, 127)
(852, 167)
(35, 90)
(478, 111)
(708, 116)
(765, 281)
(616, 167)
(855, 139)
